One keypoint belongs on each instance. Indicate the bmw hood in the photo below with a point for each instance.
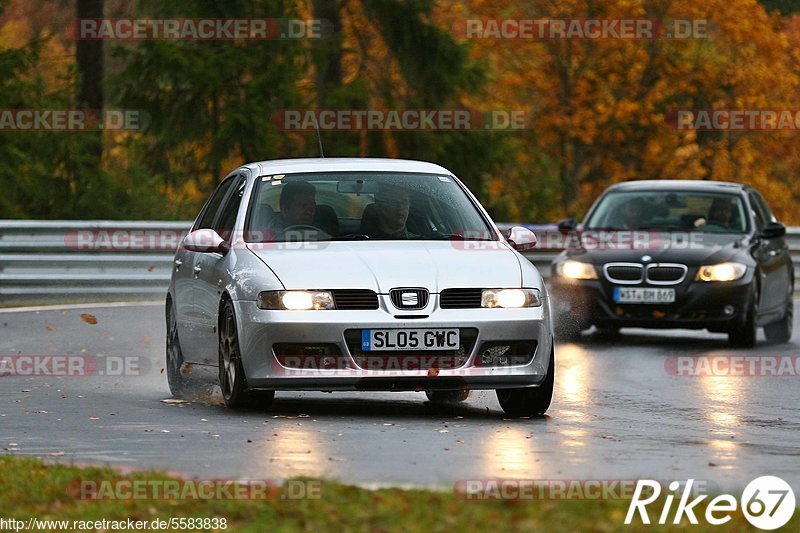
(691, 249)
(384, 265)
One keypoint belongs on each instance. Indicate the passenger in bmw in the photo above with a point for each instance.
(634, 213)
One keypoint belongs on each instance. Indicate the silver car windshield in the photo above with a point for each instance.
(362, 205)
(670, 211)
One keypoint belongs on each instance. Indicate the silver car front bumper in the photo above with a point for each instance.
(259, 330)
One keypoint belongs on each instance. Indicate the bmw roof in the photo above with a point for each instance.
(690, 185)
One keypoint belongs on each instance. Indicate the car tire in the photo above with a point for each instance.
(447, 396)
(530, 401)
(744, 335)
(232, 381)
(781, 331)
(178, 382)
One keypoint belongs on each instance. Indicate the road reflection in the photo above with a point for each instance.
(573, 382)
(723, 398)
(512, 454)
(293, 452)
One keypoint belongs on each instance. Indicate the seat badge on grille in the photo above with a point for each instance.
(409, 299)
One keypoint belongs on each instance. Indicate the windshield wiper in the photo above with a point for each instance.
(455, 237)
(350, 237)
(666, 227)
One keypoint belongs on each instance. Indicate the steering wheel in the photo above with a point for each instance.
(321, 234)
(715, 226)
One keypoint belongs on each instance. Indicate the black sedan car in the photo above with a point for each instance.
(676, 254)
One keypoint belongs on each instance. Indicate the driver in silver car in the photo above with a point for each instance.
(298, 204)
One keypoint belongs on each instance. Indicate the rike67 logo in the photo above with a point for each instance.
(767, 502)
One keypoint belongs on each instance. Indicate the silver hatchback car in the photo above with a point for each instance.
(343, 274)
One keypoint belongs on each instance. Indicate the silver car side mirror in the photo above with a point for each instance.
(521, 238)
(205, 240)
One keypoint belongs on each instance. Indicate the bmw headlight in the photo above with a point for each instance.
(511, 298)
(296, 300)
(572, 269)
(721, 272)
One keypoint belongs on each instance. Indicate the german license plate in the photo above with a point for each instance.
(643, 295)
(373, 340)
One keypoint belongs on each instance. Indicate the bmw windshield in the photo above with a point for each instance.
(706, 212)
(362, 205)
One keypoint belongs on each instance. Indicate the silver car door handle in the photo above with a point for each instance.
(197, 270)
(178, 264)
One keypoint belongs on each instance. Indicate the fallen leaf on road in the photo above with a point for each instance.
(57, 454)
(49, 327)
(89, 319)
(173, 400)
(94, 418)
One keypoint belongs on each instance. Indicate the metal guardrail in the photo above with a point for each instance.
(85, 261)
(90, 261)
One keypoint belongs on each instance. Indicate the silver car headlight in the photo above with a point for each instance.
(296, 300)
(511, 298)
(572, 269)
(721, 272)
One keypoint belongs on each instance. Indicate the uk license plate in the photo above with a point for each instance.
(409, 339)
(643, 295)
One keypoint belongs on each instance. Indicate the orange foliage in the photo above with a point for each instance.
(599, 106)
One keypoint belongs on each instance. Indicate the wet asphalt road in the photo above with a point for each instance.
(617, 414)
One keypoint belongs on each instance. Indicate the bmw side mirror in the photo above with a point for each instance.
(568, 224)
(205, 240)
(773, 230)
(521, 238)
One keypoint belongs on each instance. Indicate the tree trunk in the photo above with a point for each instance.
(89, 57)
(328, 52)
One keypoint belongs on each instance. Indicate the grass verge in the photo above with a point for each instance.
(31, 489)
